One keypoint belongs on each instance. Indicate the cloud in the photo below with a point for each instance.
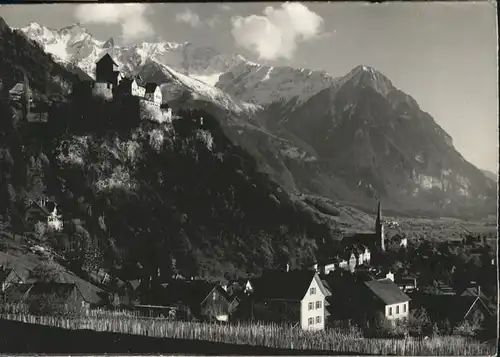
(213, 21)
(131, 17)
(277, 33)
(189, 17)
(225, 7)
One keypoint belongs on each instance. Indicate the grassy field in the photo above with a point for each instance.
(272, 336)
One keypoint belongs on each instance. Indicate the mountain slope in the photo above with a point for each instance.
(178, 195)
(353, 139)
(377, 140)
(264, 85)
(18, 55)
(490, 175)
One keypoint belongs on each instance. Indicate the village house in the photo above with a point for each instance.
(127, 294)
(388, 299)
(21, 91)
(455, 308)
(407, 283)
(326, 266)
(296, 296)
(190, 299)
(43, 209)
(9, 276)
(21, 96)
(42, 297)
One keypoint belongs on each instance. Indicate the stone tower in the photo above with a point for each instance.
(379, 229)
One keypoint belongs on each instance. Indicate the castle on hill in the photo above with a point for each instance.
(110, 83)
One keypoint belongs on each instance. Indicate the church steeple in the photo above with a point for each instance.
(379, 229)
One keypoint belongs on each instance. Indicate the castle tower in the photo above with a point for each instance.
(379, 229)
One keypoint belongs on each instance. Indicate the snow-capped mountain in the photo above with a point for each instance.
(262, 85)
(177, 86)
(75, 45)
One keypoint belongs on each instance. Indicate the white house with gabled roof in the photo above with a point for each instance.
(298, 296)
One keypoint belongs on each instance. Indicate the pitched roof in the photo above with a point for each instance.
(17, 292)
(451, 307)
(18, 89)
(387, 291)
(4, 274)
(59, 290)
(473, 291)
(282, 285)
(151, 87)
(188, 291)
(106, 55)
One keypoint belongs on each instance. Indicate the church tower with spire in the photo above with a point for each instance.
(379, 229)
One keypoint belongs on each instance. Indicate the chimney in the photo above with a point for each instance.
(479, 290)
(287, 267)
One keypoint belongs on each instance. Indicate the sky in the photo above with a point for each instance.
(443, 54)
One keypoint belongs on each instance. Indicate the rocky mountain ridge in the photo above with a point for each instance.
(354, 138)
(74, 44)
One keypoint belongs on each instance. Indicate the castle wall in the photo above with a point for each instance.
(103, 90)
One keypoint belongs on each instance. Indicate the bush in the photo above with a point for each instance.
(465, 329)
(419, 323)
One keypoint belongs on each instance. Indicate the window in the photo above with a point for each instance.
(404, 307)
(318, 319)
(397, 309)
(313, 291)
(311, 305)
(311, 321)
(318, 304)
(390, 311)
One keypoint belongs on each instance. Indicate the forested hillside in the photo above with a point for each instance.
(178, 196)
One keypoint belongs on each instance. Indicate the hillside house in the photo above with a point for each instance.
(407, 283)
(20, 92)
(200, 299)
(43, 209)
(153, 93)
(327, 266)
(9, 276)
(454, 308)
(296, 296)
(400, 241)
(126, 293)
(43, 297)
(387, 298)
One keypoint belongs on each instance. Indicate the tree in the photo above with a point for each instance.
(419, 322)
(46, 272)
